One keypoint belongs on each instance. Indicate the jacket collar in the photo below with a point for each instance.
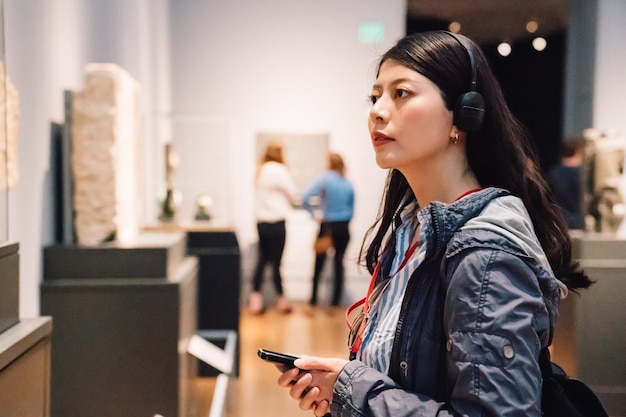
(445, 219)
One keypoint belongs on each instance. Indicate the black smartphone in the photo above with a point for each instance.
(277, 357)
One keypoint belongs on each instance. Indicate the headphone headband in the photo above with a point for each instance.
(470, 53)
(469, 110)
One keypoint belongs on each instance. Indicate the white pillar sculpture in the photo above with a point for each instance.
(106, 156)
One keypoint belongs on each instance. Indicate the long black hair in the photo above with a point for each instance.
(500, 153)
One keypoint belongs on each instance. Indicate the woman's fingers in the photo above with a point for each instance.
(321, 364)
(307, 401)
(321, 408)
(286, 378)
(300, 386)
(312, 382)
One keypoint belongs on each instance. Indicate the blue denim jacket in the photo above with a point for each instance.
(474, 316)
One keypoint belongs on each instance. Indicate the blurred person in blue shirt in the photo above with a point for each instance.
(330, 200)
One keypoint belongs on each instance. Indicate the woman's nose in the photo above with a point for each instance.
(379, 111)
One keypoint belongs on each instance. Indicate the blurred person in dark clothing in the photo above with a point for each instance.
(565, 179)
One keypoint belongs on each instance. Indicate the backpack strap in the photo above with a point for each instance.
(545, 363)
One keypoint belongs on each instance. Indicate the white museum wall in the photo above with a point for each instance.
(238, 67)
(248, 66)
(47, 47)
(41, 61)
(609, 81)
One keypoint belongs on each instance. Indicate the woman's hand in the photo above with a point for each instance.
(312, 382)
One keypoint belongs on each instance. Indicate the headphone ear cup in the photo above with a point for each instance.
(469, 111)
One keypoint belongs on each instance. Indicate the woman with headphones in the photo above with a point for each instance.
(469, 257)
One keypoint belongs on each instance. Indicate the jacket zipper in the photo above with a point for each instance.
(408, 295)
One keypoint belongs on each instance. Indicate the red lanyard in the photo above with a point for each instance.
(365, 301)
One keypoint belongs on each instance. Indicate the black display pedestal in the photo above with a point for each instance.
(119, 345)
(219, 279)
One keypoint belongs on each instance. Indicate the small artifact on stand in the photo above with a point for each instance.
(170, 201)
(605, 153)
(203, 203)
(168, 206)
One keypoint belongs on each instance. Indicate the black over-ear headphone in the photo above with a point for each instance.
(469, 110)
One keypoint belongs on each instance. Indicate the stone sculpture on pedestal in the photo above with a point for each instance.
(106, 156)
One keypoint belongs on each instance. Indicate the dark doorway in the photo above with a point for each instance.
(532, 81)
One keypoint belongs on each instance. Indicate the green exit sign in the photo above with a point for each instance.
(371, 32)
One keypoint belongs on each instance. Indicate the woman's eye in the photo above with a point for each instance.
(401, 93)
(372, 99)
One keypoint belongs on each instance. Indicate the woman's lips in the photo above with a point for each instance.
(380, 139)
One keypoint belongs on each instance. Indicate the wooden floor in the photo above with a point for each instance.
(255, 392)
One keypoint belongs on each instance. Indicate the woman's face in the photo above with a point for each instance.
(409, 124)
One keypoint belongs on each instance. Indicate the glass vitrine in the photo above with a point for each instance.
(4, 143)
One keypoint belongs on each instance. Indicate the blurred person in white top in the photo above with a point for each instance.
(276, 196)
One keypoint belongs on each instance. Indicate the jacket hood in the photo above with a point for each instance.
(505, 216)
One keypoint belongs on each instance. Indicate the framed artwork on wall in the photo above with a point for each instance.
(305, 153)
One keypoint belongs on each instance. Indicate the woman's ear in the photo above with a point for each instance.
(455, 135)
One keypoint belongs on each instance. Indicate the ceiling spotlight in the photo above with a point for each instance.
(454, 27)
(539, 43)
(504, 49)
(532, 26)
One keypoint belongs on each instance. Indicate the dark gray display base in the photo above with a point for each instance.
(9, 285)
(152, 255)
(122, 317)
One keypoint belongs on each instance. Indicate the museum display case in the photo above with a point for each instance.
(201, 146)
(24, 343)
(123, 316)
(219, 281)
